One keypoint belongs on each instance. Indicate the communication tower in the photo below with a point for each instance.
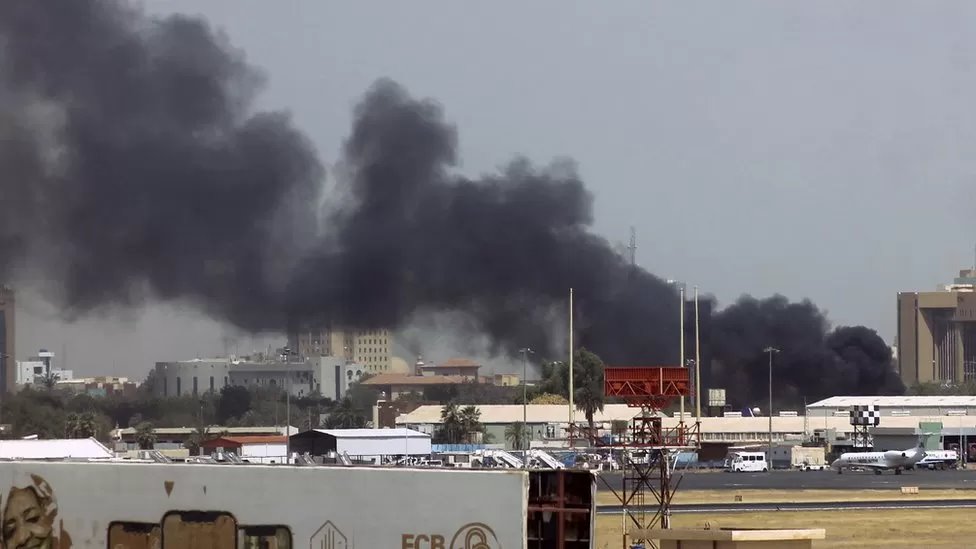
(862, 418)
(649, 452)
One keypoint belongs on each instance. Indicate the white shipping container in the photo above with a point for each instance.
(196, 506)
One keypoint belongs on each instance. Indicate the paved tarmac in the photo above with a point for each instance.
(816, 480)
(805, 506)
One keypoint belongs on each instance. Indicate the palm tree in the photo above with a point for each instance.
(588, 381)
(452, 424)
(515, 435)
(82, 425)
(145, 435)
(345, 416)
(470, 417)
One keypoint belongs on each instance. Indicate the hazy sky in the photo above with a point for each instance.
(822, 150)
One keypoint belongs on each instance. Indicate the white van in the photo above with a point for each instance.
(746, 461)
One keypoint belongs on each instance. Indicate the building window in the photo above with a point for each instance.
(263, 537)
(212, 384)
(165, 387)
(225, 381)
(194, 385)
(179, 387)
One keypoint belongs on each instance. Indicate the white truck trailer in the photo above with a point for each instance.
(196, 506)
(808, 458)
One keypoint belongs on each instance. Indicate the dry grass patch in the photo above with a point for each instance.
(796, 496)
(890, 528)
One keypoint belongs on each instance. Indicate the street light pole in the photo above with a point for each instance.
(771, 351)
(525, 403)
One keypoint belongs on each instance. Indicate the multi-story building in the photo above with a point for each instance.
(371, 348)
(329, 376)
(8, 356)
(937, 333)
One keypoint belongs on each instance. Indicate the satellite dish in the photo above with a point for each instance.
(756, 410)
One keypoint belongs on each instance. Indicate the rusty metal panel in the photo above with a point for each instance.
(199, 530)
(134, 535)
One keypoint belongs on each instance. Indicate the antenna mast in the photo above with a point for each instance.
(633, 246)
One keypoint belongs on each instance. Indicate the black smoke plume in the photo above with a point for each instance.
(135, 169)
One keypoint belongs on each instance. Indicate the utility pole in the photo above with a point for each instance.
(525, 404)
(771, 350)
(698, 395)
(681, 359)
(572, 351)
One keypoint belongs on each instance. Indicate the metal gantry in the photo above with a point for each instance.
(649, 452)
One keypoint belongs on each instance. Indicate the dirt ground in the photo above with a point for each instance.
(793, 496)
(891, 528)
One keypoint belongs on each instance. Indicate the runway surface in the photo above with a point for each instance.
(805, 506)
(816, 480)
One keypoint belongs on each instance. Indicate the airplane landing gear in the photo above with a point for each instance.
(877, 471)
(897, 471)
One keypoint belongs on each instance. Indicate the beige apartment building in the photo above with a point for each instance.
(937, 333)
(370, 348)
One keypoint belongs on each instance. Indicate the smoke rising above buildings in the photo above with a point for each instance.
(135, 169)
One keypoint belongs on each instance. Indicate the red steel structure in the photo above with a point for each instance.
(650, 450)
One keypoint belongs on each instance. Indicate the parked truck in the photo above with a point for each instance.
(808, 458)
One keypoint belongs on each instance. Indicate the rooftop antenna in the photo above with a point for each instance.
(633, 246)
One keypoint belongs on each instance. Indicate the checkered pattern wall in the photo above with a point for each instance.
(866, 415)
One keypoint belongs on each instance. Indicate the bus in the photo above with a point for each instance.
(738, 462)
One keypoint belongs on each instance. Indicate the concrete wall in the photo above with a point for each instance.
(441, 503)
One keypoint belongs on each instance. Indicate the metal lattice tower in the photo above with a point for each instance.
(650, 450)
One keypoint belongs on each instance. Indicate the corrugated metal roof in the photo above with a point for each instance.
(512, 413)
(373, 433)
(240, 441)
(895, 401)
(558, 414)
(77, 448)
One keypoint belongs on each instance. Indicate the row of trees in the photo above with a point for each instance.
(49, 412)
(462, 425)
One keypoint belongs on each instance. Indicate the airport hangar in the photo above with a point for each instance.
(945, 421)
(827, 421)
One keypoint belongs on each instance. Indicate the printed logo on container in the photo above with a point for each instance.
(328, 537)
(475, 536)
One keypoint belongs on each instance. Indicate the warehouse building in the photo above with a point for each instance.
(362, 444)
(896, 406)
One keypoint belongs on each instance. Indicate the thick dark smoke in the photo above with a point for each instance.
(134, 169)
(813, 361)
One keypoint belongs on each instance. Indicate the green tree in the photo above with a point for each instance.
(549, 398)
(82, 425)
(234, 401)
(145, 435)
(345, 416)
(452, 426)
(470, 417)
(515, 435)
(588, 386)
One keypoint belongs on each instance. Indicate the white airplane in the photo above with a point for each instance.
(898, 460)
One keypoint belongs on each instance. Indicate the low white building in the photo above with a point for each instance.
(254, 449)
(362, 443)
(72, 448)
